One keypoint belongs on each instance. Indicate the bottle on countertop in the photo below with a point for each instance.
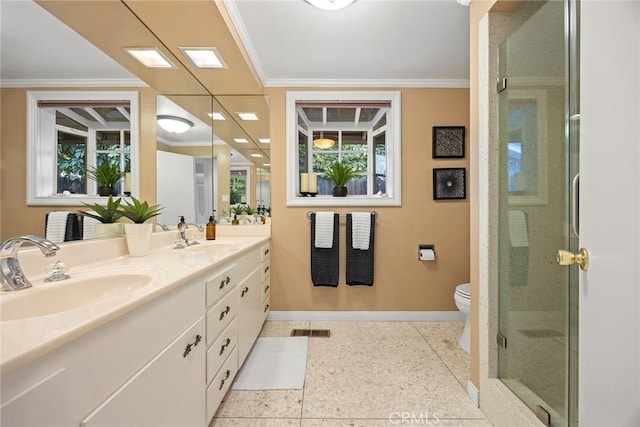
(181, 223)
(211, 228)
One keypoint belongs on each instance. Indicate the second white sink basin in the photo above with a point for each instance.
(50, 298)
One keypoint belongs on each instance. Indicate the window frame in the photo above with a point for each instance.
(41, 152)
(393, 131)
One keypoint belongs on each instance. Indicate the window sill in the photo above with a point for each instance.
(71, 200)
(344, 201)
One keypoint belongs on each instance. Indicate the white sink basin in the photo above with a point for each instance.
(50, 298)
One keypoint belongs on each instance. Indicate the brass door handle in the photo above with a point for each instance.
(568, 258)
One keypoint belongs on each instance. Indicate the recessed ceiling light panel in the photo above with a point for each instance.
(264, 140)
(204, 57)
(149, 57)
(241, 140)
(330, 4)
(217, 116)
(256, 155)
(248, 116)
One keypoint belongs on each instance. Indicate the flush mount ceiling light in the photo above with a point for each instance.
(217, 116)
(174, 124)
(330, 4)
(247, 116)
(204, 57)
(149, 57)
(264, 140)
(324, 143)
(241, 140)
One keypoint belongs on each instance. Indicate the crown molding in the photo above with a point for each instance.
(398, 83)
(16, 83)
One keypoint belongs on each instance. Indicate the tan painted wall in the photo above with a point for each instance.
(401, 281)
(16, 217)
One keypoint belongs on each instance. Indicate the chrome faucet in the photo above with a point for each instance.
(13, 279)
(183, 234)
(164, 227)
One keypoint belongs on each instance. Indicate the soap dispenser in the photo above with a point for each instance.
(181, 223)
(211, 228)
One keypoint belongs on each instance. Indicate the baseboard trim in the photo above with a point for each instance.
(390, 316)
(473, 393)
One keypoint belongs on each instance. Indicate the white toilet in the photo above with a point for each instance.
(462, 297)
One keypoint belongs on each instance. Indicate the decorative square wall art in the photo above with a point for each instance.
(449, 183)
(448, 142)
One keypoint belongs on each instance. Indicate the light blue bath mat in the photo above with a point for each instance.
(274, 363)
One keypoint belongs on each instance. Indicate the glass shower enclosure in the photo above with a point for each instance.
(538, 157)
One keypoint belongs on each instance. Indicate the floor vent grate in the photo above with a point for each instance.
(313, 333)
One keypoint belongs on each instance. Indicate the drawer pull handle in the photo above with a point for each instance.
(224, 282)
(266, 269)
(266, 288)
(189, 347)
(266, 307)
(224, 379)
(244, 291)
(266, 251)
(224, 346)
(224, 312)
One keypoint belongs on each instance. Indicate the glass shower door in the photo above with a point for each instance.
(538, 161)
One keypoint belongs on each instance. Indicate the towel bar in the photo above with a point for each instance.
(375, 214)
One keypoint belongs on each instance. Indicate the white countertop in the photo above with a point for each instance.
(23, 340)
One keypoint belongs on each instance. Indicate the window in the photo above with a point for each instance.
(71, 132)
(239, 182)
(359, 129)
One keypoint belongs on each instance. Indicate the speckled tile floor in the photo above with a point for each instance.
(366, 374)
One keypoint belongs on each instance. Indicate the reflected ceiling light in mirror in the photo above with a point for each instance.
(266, 164)
(174, 124)
(241, 140)
(324, 143)
(149, 57)
(247, 116)
(256, 155)
(330, 4)
(217, 116)
(264, 140)
(204, 57)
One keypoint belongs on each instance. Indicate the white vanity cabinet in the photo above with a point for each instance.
(170, 361)
(266, 282)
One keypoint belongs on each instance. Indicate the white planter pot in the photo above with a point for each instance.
(109, 230)
(138, 238)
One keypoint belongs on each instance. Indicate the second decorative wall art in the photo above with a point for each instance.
(448, 142)
(449, 183)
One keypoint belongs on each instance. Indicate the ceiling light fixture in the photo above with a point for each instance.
(256, 155)
(149, 57)
(330, 4)
(247, 116)
(174, 124)
(264, 140)
(324, 143)
(217, 116)
(204, 57)
(241, 140)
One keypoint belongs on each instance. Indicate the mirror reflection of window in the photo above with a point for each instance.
(72, 132)
(239, 183)
(522, 148)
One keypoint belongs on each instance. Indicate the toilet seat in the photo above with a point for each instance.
(464, 290)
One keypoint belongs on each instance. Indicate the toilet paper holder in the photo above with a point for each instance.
(426, 252)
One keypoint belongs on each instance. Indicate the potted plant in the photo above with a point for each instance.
(106, 175)
(107, 216)
(138, 234)
(235, 211)
(339, 174)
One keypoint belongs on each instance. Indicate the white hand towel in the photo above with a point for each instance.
(56, 226)
(89, 227)
(360, 230)
(324, 230)
(518, 229)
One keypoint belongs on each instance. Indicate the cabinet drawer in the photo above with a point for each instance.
(266, 270)
(221, 283)
(220, 316)
(266, 289)
(265, 252)
(221, 349)
(220, 384)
